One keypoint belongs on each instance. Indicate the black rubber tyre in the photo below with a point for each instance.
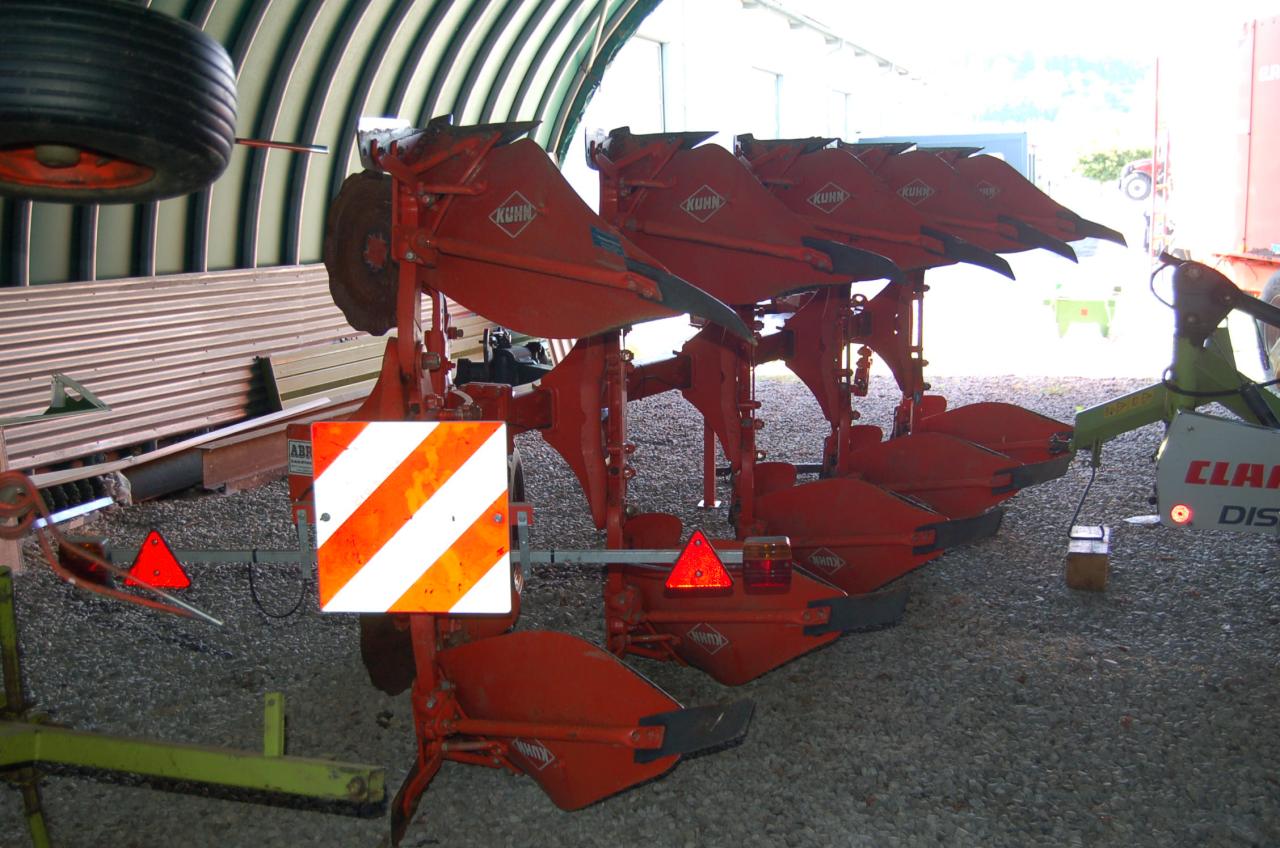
(1268, 336)
(363, 275)
(147, 102)
(515, 477)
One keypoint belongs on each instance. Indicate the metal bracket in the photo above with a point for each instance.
(304, 555)
(60, 403)
(860, 613)
(523, 521)
(697, 729)
(961, 531)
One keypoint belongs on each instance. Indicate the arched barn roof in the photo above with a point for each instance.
(307, 71)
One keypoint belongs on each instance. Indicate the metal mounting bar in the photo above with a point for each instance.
(305, 554)
(654, 556)
(24, 743)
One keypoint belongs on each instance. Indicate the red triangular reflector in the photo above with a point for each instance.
(157, 565)
(698, 567)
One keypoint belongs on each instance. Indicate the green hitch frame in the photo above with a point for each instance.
(26, 742)
(1209, 370)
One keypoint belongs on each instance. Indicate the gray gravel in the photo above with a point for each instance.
(1006, 710)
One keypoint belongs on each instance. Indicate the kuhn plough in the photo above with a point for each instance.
(785, 229)
(417, 501)
(480, 215)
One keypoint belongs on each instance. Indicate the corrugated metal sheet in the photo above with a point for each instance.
(307, 70)
(170, 355)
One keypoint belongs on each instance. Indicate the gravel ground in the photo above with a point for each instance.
(1006, 710)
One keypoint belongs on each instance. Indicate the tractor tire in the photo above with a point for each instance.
(515, 476)
(364, 277)
(1268, 336)
(103, 101)
(1137, 187)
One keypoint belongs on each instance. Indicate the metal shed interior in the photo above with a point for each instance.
(307, 71)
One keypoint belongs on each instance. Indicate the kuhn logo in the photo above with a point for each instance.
(707, 637)
(827, 560)
(988, 190)
(916, 192)
(1203, 472)
(829, 197)
(534, 751)
(703, 203)
(515, 213)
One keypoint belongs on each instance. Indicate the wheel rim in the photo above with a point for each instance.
(58, 166)
(1136, 188)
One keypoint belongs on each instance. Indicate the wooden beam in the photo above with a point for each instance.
(10, 550)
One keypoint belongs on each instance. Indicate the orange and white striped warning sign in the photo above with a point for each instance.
(412, 516)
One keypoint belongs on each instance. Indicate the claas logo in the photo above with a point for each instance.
(1252, 475)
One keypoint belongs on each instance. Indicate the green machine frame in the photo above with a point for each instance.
(28, 740)
(1203, 370)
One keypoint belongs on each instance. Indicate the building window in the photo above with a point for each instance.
(839, 111)
(633, 91)
(764, 103)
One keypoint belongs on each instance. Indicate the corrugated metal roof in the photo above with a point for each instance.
(307, 71)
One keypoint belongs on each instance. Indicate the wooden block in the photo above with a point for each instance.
(349, 367)
(1089, 558)
(10, 550)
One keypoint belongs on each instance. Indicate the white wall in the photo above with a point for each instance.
(715, 73)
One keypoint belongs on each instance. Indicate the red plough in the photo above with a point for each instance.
(834, 191)
(986, 201)
(1016, 196)
(483, 216)
(707, 217)
(734, 632)
(926, 179)
(474, 212)
(989, 203)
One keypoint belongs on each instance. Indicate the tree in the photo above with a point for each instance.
(1105, 165)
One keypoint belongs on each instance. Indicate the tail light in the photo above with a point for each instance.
(766, 563)
(698, 568)
(82, 567)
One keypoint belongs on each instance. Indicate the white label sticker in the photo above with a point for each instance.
(300, 457)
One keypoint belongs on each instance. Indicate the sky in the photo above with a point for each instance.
(930, 35)
(1078, 76)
